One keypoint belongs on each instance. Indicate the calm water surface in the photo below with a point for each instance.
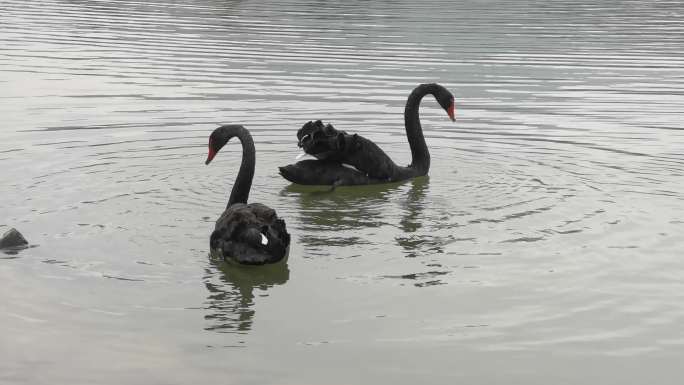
(544, 247)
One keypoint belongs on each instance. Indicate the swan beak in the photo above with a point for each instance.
(210, 156)
(450, 111)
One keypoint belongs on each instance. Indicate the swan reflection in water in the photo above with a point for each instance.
(230, 303)
(334, 218)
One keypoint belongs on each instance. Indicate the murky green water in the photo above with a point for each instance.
(544, 247)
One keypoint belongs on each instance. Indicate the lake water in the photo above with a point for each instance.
(545, 247)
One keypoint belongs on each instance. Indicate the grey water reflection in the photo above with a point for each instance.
(414, 204)
(341, 217)
(335, 217)
(232, 290)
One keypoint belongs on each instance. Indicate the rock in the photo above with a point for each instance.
(12, 238)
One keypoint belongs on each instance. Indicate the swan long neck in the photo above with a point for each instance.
(243, 182)
(420, 156)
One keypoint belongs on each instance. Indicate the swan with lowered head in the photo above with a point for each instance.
(246, 233)
(334, 149)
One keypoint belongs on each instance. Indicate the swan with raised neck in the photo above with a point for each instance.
(371, 164)
(246, 233)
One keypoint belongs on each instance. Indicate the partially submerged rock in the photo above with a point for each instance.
(12, 238)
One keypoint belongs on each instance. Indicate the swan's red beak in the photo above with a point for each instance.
(211, 155)
(450, 111)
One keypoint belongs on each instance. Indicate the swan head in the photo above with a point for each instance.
(446, 101)
(219, 138)
(215, 144)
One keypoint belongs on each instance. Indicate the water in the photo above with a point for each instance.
(544, 247)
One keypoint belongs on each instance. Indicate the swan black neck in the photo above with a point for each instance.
(420, 156)
(243, 182)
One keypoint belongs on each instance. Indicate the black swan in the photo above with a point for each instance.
(249, 234)
(335, 150)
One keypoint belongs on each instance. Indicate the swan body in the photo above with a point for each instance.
(246, 233)
(334, 149)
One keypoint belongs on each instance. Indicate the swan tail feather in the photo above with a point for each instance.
(326, 143)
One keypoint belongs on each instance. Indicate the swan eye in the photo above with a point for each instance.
(264, 240)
